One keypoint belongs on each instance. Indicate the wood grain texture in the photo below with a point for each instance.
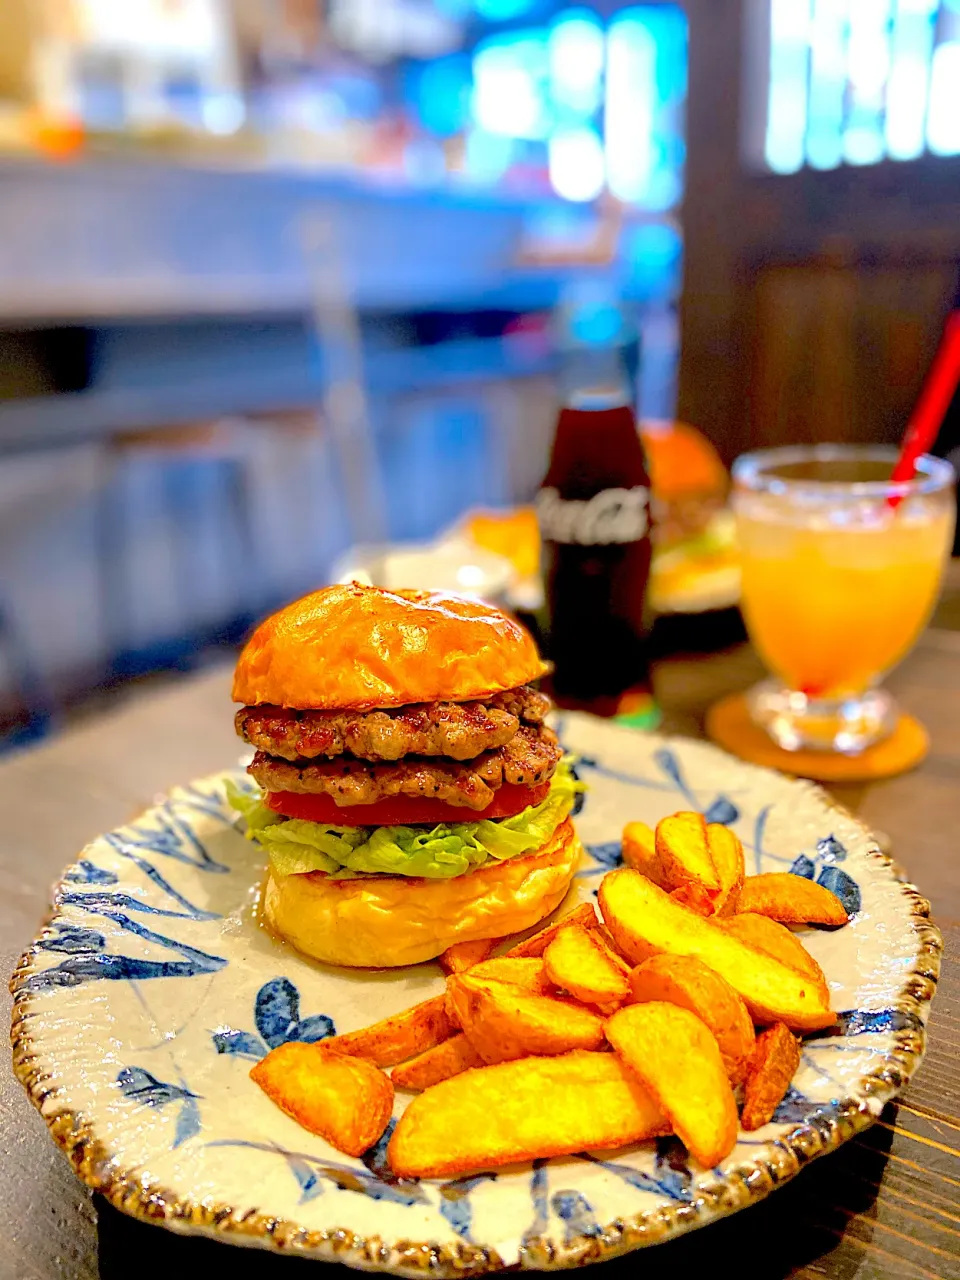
(884, 1207)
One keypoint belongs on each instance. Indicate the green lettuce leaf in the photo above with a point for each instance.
(296, 846)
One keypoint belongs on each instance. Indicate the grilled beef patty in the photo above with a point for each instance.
(529, 758)
(459, 730)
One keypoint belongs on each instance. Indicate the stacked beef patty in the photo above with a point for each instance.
(459, 753)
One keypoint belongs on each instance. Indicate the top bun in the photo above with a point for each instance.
(682, 461)
(356, 648)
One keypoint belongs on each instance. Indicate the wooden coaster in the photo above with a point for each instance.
(729, 725)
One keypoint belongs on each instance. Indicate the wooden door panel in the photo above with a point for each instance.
(838, 350)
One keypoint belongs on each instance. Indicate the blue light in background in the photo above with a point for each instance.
(645, 88)
(454, 8)
(487, 156)
(654, 253)
(909, 84)
(596, 324)
(943, 113)
(630, 105)
(440, 91)
(884, 81)
(510, 94)
(668, 25)
(787, 98)
(575, 158)
(575, 55)
(503, 10)
(828, 83)
(868, 66)
(607, 103)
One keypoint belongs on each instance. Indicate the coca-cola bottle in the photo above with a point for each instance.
(594, 514)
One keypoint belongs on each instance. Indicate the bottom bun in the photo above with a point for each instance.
(382, 922)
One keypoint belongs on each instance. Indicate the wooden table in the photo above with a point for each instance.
(885, 1206)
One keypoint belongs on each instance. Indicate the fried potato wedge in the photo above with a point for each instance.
(439, 1063)
(608, 938)
(773, 1065)
(525, 1110)
(537, 943)
(397, 1038)
(640, 850)
(502, 1022)
(522, 973)
(727, 853)
(683, 853)
(645, 921)
(677, 1060)
(696, 897)
(777, 940)
(791, 900)
(464, 955)
(579, 961)
(347, 1101)
(525, 972)
(688, 983)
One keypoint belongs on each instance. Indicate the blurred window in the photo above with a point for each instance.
(859, 81)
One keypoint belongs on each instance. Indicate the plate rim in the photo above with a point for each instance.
(745, 1184)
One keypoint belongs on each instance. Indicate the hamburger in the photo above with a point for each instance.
(689, 482)
(405, 786)
(695, 560)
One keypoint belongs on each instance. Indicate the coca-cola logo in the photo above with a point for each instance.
(613, 515)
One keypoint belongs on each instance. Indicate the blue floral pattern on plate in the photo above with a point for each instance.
(276, 1012)
(154, 948)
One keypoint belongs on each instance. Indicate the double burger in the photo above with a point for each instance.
(409, 794)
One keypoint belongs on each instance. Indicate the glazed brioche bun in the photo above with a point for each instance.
(384, 922)
(682, 461)
(355, 648)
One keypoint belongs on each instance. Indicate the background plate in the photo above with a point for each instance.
(147, 996)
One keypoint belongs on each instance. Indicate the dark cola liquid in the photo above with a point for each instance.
(593, 509)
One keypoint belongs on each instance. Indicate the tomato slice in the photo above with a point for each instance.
(402, 811)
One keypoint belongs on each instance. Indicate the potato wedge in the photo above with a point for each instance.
(688, 983)
(645, 921)
(610, 942)
(774, 1064)
(523, 1110)
(537, 943)
(677, 1060)
(439, 1063)
(777, 940)
(696, 897)
(503, 1022)
(525, 972)
(683, 853)
(464, 955)
(727, 853)
(640, 850)
(399, 1037)
(578, 961)
(791, 900)
(348, 1101)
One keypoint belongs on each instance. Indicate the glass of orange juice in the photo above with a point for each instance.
(841, 572)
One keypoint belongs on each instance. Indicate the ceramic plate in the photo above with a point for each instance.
(147, 996)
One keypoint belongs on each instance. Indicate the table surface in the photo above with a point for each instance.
(886, 1205)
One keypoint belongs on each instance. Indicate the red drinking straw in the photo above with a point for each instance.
(933, 402)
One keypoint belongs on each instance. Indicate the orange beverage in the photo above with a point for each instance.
(837, 583)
